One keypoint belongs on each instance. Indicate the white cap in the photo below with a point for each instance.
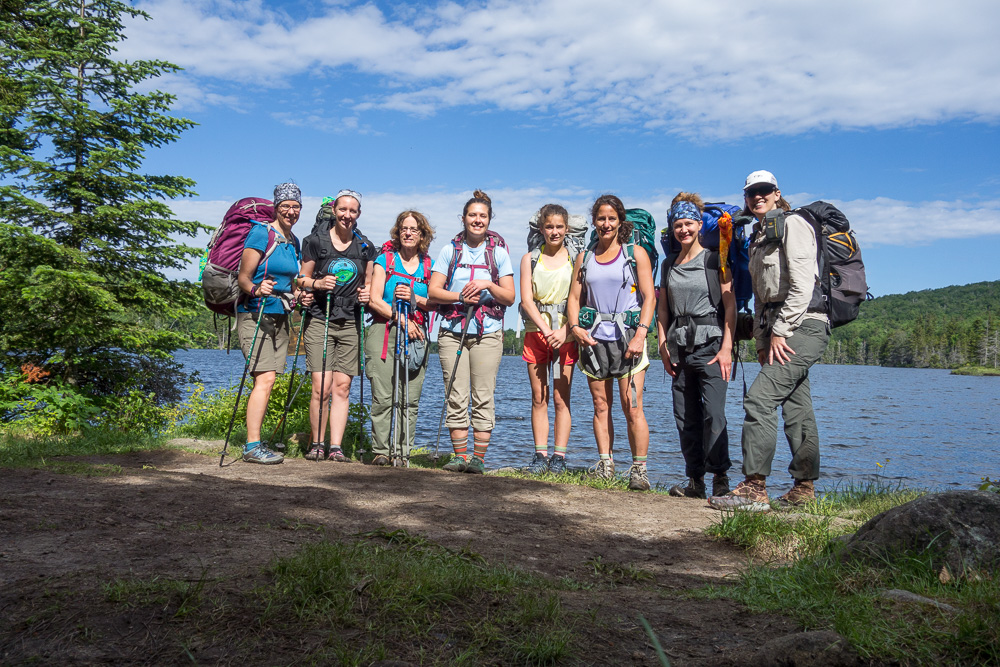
(761, 177)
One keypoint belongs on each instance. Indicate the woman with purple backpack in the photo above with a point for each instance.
(267, 273)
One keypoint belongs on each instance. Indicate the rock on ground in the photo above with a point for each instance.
(959, 529)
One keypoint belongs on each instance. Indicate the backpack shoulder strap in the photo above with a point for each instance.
(535, 254)
(713, 275)
(427, 267)
(456, 257)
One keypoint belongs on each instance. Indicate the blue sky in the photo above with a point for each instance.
(889, 110)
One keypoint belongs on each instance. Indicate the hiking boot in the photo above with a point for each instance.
(476, 466)
(720, 484)
(457, 464)
(316, 453)
(381, 460)
(638, 480)
(603, 469)
(557, 464)
(261, 454)
(336, 454)
(400, 462)
(801, 493)
(539, 464)
(695, 489)
(750, 495)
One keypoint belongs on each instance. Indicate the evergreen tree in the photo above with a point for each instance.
(85, 237)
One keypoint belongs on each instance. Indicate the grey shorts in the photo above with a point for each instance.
(271, 345)
(342, 346)
(606, 360)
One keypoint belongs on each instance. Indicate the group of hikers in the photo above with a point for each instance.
(588, 305)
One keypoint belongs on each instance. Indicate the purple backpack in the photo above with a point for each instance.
(222, 257)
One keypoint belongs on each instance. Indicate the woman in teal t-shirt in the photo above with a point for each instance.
(267, 277)
(400, 276)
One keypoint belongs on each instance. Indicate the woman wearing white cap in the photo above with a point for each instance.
(791, 332)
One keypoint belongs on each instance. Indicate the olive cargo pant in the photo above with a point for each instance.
(786, 386)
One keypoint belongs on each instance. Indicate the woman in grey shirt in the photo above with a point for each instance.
(696, 320)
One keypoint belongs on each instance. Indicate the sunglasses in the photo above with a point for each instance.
(759, 191)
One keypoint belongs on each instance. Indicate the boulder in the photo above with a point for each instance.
(822, 648)
(959, 530)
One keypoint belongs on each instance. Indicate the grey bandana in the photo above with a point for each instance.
(287, 192)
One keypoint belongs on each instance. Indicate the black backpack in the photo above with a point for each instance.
(842, 284)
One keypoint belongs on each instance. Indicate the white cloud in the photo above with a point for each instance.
(710, 69)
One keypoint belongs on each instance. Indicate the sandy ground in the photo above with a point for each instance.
(177, 513)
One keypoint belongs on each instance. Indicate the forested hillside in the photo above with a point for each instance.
(939, 328)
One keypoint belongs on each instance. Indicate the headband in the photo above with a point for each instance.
(683, 210)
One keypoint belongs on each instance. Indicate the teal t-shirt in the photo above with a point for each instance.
(419, 284)
(281, 267)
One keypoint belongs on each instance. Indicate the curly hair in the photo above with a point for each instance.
(478, 197)
(426, 231)
(692, 197)
(545, 212)
(624, 224)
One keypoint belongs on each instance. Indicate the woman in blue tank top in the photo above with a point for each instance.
(610, 309)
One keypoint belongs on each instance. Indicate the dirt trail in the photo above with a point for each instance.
(176, 513)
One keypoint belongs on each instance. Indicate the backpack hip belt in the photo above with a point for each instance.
(553, 310)
(625, 320)
(692, 323)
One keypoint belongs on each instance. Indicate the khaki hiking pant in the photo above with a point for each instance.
(379, 374)
(785, 386)
(477, 370)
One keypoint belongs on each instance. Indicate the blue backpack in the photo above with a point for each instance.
(739, 248)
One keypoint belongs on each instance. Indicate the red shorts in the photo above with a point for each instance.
(537, 351)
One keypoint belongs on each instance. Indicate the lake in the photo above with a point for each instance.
(937, 430)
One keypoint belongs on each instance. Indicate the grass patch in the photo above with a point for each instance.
(395, 589)
(821, 592)
(978, 371)
(578, 478)
(24, 451)
(184, 597)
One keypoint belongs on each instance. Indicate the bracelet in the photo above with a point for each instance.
(642, 326)
(461, 299)
(253, 290)
(574, 326)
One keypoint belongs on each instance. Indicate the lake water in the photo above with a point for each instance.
(938, 430)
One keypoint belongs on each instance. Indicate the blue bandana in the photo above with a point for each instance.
(683, 210)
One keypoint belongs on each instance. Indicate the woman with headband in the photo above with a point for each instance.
(268, 268)
(336, 262)
(696, 320)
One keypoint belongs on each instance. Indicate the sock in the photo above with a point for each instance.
(560, 451)
(480, 447)
(250, 446)
(639, 460)
(542, 449)
(461, 447)
(605, 457)
(321, 445)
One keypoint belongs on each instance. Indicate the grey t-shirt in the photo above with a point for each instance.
(688, 289)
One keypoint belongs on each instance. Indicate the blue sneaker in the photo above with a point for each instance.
(261, 454)
(539, 465)
(557, 464)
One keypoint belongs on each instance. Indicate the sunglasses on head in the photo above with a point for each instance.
(759, 190)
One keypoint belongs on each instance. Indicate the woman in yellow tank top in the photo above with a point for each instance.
(546, 277)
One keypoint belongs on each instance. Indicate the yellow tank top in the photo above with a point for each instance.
(551, 287)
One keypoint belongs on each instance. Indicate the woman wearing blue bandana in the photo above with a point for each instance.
(695, 324)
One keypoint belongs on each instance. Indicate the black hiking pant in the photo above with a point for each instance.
(700, 411)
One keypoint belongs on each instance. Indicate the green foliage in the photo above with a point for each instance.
(85, 237)
(44, 408)
(939, 328)
(990, 485)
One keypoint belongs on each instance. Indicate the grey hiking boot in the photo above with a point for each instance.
(603, 469)
(638, 480)
(801, 493)
(261, 454)
(539, 465)
(317, 452)
(695, 489)
(557, 464)
(476, 466)
(336, 454)
(720, 484)
(456, 464)
(750, 495)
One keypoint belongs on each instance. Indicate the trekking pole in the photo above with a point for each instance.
(444, 404)
(406, 384)
(395, 390)
(322, 377)
(289, 397)
(246, 369)
(361, 344)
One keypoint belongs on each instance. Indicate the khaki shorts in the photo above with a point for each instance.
(342, 347)
(271, 345)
